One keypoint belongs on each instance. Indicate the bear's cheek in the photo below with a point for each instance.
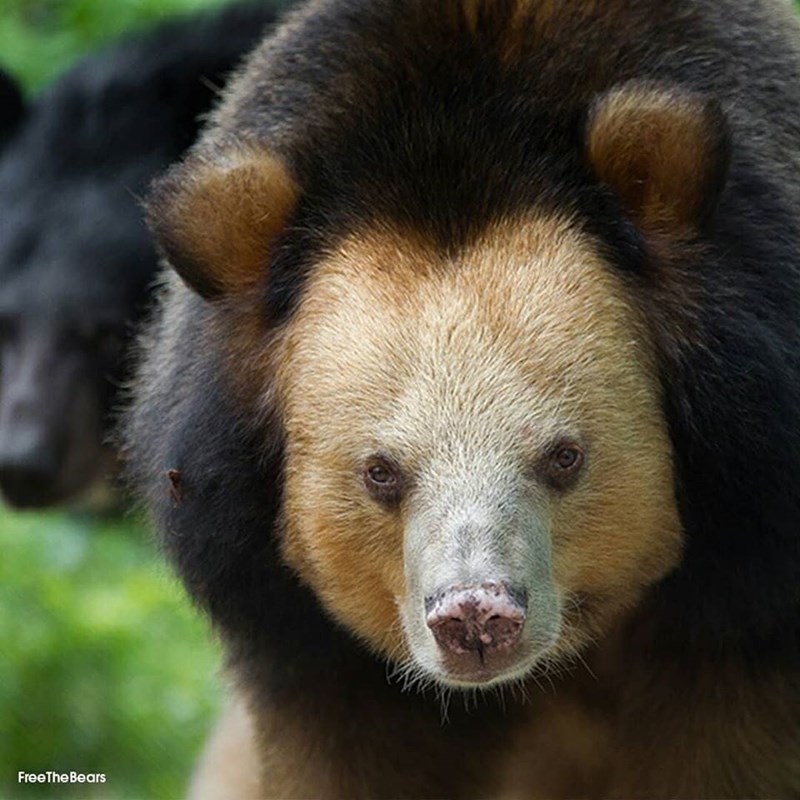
(615, 536)
(349, 552)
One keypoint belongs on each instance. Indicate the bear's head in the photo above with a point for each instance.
(477, 469)
(485, 432)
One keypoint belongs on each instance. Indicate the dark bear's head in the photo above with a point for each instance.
(76, 259)
(75, 263)
(478, 476)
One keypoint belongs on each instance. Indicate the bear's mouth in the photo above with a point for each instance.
(483, 670)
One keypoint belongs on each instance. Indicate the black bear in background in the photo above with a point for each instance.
(76, 261)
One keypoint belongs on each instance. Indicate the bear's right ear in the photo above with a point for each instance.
(664, 150)
(216, 221)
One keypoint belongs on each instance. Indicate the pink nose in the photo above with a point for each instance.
(479, 617)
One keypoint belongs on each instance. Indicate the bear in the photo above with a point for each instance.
(76, 260)
(470, 414)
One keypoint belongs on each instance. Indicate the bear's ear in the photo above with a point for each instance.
(663, 150)
(216, 221)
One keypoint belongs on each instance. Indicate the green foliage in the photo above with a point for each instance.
(104, 666)
(39, 38)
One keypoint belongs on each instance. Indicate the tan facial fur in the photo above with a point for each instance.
(466, 372)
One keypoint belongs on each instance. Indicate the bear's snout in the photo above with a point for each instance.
(476, 618)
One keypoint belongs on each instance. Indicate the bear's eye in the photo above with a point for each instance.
(383, 480)
(380, 474)
(568, 458)
(564, 464)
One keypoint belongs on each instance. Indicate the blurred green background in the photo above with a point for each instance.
(39, 38)
(104, 666)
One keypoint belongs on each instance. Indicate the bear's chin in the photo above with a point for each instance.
(481, 670)
(485, 678)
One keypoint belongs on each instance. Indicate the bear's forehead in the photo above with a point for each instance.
(531, 274)
(532, 303)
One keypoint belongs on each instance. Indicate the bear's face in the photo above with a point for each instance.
(478, 474)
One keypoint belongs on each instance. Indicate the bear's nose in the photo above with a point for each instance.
(477, 617)
(28, 466)
(25, 484)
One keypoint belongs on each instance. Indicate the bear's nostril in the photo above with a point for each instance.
(503, 632)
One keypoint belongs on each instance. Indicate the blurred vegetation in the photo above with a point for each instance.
(39, 38)
(103, 665)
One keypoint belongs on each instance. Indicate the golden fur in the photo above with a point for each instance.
(230, 766)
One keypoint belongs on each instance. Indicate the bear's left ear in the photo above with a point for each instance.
(663, 150)
(217, 220)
